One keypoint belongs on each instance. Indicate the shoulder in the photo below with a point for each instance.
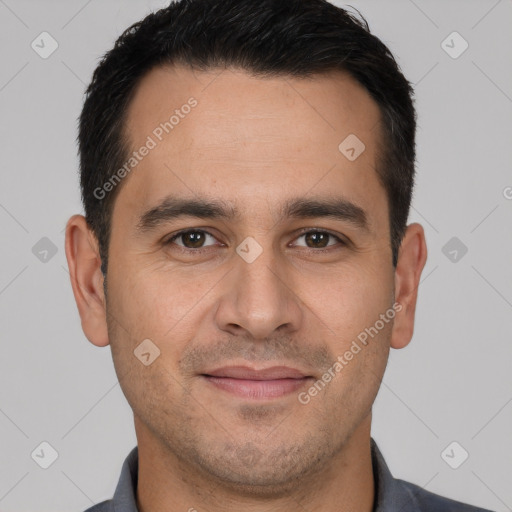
(426, 501)
(393, 494)
(104, 506)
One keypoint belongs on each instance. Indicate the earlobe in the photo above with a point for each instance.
(86, 279)
(411, 261)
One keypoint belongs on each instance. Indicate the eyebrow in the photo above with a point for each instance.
(171, 208)
(335, 208)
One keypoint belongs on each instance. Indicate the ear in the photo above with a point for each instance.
(84, 264)
(411, 260)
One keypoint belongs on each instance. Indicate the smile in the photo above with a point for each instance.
(253, 384)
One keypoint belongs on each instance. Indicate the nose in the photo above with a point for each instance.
(259, 298)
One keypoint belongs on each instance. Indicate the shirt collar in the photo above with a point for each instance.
(390, 494)
(124, 498)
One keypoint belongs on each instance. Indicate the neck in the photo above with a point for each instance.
(167, 484)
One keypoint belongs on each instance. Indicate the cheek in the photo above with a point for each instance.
(142, 307)
(160, 304)
(350, 300)
(360, 357)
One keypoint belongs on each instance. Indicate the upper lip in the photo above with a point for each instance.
(245, 372)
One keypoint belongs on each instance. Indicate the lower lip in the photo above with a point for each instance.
(258, 389)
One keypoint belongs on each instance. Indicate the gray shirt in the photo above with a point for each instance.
(392, 495)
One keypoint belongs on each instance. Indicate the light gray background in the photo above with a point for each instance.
(453, 383)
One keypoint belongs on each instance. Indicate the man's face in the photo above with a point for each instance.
(298, 291)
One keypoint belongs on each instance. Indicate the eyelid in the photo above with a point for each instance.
(176, 235)
(341, 240)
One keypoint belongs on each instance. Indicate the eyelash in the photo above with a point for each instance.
(305, 231)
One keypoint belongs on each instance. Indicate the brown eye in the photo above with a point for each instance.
(193, 239)
(319, 239)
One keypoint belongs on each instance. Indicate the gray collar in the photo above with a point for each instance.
(392, 495)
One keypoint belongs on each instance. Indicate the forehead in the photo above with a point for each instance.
(229, 135)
